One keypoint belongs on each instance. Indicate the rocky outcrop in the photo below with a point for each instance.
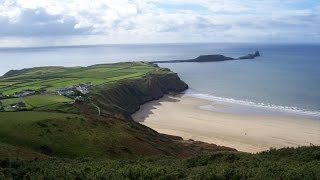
(203, 58)
(250, 56)
(212, 58)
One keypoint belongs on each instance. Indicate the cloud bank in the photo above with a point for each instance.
(52, 22)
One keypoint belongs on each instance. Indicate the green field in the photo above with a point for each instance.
(53, 78)
(35, 101)
(14, 90)
(8, 83)
(45, 100)
(6, 103)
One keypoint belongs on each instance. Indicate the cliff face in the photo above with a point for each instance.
(123, 99)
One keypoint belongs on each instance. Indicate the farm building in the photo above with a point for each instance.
(68, 91)
(83, 88)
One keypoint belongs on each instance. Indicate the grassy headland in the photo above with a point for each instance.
(58, 122)
(86, 111)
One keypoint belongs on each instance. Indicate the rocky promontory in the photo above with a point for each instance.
(212, 58)
(251, 56)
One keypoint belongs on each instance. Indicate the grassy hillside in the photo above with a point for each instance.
(96, 124)
(51, 78)
(300, 163)
(72, 136)
(50, 133)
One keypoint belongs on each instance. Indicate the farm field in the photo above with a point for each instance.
(52, 78)
(6, 104)
(49, 79)
(44, 100)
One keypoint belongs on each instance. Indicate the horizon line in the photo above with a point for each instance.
(161, 43)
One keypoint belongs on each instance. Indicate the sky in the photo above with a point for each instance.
(85, 22)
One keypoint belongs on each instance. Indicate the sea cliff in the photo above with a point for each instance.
(124, 98)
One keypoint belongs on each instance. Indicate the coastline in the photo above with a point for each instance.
(182, 116)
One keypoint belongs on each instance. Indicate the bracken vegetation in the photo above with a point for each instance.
(287, 163)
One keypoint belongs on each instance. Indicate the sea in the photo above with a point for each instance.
(285, 80)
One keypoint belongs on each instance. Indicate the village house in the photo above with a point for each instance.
(68, 91)
(83, 88)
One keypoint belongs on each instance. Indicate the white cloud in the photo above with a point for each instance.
(126, 21)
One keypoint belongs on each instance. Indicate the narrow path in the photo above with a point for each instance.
(97, 108)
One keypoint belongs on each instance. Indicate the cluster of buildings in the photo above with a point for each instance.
(70, 91)
(67, 91)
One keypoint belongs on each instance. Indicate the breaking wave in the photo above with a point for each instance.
(272, 107)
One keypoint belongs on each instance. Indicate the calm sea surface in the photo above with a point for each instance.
(286, 79)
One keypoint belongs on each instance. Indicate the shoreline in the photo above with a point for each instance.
(182, 116)
(249, 107)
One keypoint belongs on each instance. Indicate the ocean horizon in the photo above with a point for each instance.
(284, 80)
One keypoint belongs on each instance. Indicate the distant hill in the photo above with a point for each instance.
(212, 58)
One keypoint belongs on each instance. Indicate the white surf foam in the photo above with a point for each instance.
(272, 107)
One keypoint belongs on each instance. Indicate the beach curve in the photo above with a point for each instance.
(182, 116)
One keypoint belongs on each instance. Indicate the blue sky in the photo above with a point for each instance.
(74, 22)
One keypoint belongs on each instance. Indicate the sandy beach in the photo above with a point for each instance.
(181, 116)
